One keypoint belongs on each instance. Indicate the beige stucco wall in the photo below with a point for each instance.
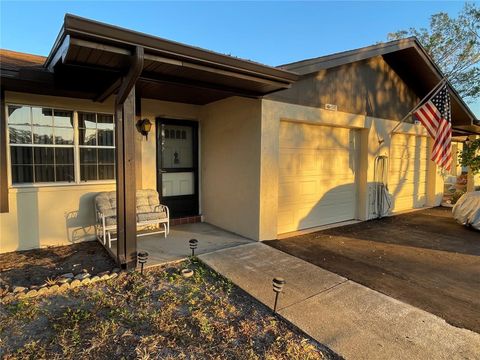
(230, 137)
(41, 216)
(49, 216)
(371, 131)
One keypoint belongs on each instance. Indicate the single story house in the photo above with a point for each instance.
(256, 150)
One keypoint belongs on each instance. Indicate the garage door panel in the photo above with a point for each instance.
(328, 213)
(328, 198)
(404, 190)
(308, 215)
(408, 175)
(410, 140)
(410, 202)
(317, 177)
(306, 189)
(407, 166)
(295, 162)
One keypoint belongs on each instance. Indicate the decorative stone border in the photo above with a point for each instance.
(61, 284)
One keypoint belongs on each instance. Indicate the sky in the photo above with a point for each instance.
(272, 33)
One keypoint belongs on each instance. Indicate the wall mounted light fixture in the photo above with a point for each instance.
(144, 126)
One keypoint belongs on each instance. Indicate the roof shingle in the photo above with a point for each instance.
(14, 60)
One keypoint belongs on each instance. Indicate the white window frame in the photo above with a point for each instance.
(76, 150)
(96, 141)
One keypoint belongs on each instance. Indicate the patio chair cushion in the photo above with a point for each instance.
(106, 203)
(148, 216)
(147, 201)
(111, 220)
(147, 206)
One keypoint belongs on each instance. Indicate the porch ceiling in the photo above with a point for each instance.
(171, 71)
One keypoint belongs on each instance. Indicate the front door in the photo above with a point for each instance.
(177, 164)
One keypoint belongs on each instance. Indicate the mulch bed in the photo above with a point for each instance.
(33, 267)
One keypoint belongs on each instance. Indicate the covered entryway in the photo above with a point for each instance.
(316, 176)
(408, 172)
(145, 78)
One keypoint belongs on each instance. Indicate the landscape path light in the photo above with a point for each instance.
(278, 284)
(193, 245)
(142, 259)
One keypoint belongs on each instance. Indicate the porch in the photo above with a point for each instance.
(201, 155)
(175, 246)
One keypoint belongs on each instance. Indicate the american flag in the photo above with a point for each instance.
(436, 116)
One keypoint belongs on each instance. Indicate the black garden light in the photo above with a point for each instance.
(278, 284)
(193, 245)
(142, 259)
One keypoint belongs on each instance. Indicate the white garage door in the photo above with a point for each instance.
(317, 176)
(407, 182)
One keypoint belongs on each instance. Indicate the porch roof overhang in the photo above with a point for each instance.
(172, 71)
(410, 61)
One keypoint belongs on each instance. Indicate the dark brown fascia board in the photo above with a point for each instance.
(312, 65)
(162, 59)
(467, 129)
(59, 54)
(78, 26)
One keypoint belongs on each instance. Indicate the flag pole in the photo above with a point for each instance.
(432, 93)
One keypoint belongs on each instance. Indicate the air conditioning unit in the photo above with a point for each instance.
(331, 107)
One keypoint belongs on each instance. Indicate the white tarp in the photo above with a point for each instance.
(467, 209)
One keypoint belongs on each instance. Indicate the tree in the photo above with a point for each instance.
(470, 156)
(454, 44)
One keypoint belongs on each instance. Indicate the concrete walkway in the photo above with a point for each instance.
(351, 319)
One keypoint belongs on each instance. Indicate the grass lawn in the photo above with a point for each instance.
(159, 315)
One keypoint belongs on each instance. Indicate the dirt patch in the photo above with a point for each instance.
(33, 267)
(423, 258)
(159, 315)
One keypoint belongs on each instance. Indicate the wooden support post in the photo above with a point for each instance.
(125, 160)
(126, 187)
(138, 140)
(3, 155)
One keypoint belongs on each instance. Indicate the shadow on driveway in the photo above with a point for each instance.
(423, 258)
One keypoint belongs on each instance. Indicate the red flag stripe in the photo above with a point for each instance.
(441, 145)
(442, 149)
(429, 117)
(441, 133)
(434, 111)
(425, 117)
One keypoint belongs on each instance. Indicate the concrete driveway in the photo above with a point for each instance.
(422, 258)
